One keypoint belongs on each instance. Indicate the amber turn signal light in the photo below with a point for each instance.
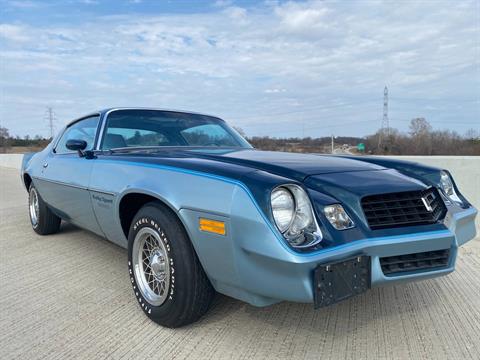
(213, 226)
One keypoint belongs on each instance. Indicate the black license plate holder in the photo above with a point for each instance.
(341, 280)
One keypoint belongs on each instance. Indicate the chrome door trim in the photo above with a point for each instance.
(102, 191)
(74, 186)
(102, 129)
(60, 183)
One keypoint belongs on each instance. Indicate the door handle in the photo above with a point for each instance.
(45, 165)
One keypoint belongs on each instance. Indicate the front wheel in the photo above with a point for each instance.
(44, 221)
(167, 277)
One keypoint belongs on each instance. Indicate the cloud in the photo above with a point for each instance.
(238, 62)
(13, 32)
(275, 91)
(303, 17)
(237, 13)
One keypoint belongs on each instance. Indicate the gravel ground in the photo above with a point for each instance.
(68, 296)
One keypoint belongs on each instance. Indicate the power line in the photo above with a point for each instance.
(394, 120)
(422, 99)
(323, 126)
(320, 127)
(384, 134)
(313, 108)
(304, 110)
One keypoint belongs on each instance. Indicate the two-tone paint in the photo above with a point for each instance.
(252, 261)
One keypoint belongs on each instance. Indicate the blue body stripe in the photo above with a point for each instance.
(267, 221)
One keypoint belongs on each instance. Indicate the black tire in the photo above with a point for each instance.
(46, 221)
(189, 292)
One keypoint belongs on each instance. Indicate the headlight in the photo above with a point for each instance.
(283, 207)
(447, 186)
(293, 215)
(338, 217)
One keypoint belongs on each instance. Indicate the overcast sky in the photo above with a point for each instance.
(272, 67)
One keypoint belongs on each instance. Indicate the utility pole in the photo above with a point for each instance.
(51, 118)
(384, 136)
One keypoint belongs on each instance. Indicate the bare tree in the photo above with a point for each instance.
(420, 132)
(472, 134)
(419, 127)
(4, 139)
(240, 131)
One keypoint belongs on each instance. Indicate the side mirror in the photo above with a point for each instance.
(76, 145)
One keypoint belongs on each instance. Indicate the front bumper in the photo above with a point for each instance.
(293, 281)
(252, 270)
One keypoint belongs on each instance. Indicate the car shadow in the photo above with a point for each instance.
(378, 305)
(68, 228)
(341, 319)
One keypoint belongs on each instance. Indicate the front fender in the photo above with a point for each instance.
(176, 187)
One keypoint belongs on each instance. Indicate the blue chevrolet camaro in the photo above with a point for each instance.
(200, 211)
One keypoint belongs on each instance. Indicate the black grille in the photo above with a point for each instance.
(403, 209)
(414, 262)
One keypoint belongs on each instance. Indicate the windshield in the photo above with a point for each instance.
(138, 128)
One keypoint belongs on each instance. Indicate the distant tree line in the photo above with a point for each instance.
(7, 141)
(420, 139)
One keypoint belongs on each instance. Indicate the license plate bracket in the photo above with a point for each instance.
(341, 280)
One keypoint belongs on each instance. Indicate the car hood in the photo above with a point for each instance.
(293, 165)
(359, 184)
(345, 179)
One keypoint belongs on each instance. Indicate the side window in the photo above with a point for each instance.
(85, 129)
(127, 137)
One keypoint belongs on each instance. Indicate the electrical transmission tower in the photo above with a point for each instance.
(50, 115)
(384, 138)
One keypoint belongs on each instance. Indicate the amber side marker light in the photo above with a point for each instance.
(213, 226)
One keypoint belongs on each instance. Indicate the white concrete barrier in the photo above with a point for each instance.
(11, 161)
(465, 170)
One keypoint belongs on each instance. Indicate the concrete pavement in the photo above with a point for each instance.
(68, 296)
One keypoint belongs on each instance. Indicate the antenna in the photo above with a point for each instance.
(384, 136)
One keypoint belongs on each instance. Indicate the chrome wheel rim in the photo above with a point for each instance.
(33, 206)
(151, 265)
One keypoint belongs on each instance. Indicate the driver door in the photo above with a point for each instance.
(66, 176)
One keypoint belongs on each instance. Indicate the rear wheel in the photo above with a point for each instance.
(167, 277)
(44, 221)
